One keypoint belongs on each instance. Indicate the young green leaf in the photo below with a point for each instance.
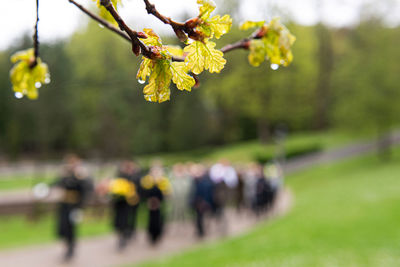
(215, 26)
(157, 90)
(275, 43)
(26, 79)
(103, 12)
(257, 53)
(219, 25)
(180, 77)
(251, 24)
(202, 56)
(206, 8)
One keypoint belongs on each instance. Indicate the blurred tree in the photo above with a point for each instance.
(366, 80)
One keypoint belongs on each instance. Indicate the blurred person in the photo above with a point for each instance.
(225, 179)
(250, 179)
(156, 187)
(180, 182)
(125, 200)
(263, 191)
(274, 173)
(240, 190)
(76, 188)
(202, 196)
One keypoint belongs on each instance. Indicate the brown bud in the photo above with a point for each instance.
(180, 34)
(246, 44)
(141, 35)
(156, 52)
(261, 32)
(192, 23)
(136, 49)
(196, 79)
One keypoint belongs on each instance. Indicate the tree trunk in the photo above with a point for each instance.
(323, 95)
(263, 130)
(384, 145)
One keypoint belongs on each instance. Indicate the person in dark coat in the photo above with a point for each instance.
(76, 188)
(155, 188)
(125, 200)
(202, 196)
(264, 192)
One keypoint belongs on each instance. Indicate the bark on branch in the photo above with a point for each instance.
(36, 38)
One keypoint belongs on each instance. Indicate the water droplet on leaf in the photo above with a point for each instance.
(101, 26)
(47, 80)
(38, 84)
(274, 66)
(18, 95)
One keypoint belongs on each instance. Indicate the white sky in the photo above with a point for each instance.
(59, 18)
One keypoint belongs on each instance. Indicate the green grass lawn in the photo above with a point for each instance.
(18, 230)
(344, 214)
(14, 182)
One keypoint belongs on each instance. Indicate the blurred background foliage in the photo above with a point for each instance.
(340, 78)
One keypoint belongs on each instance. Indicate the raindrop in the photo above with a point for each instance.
(101, 26)
(38, 84)
(47, 80)
(141, 81)
(18, 95)
(274, 66)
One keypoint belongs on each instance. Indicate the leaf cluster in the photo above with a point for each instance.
(28, 74)
(272, 42)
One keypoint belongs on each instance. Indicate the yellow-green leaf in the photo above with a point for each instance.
(174, 50)
(206, 8)
(251, 24)
(257, 53)
(24, 55)
(27, 80)
(157, 90)
(180, 77)
(152, 38)
(204, 56)
(275, 45)
(145, 69)
(103, 12)
(219, 25)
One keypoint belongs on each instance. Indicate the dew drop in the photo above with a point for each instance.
(18, 95)
(101, 26)
(141, 81)
(47, 80)
(274, 66)
(38, 84)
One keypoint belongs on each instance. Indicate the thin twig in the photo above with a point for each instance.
(132, 36)
(242, 44)
(182, 30)
(101, 21)
(36, 38)
(151, 9)
(136, 42)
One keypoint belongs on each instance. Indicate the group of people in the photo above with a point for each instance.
(192, 190)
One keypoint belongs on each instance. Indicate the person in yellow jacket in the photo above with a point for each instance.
(155, 187)
(124, 203)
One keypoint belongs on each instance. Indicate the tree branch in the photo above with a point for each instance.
(180, 29)
(137, 45)
(242, 44)
(101, 21)
(36, 38)
(132, 36)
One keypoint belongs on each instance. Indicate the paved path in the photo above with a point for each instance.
(337, 154)
(101, 251)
